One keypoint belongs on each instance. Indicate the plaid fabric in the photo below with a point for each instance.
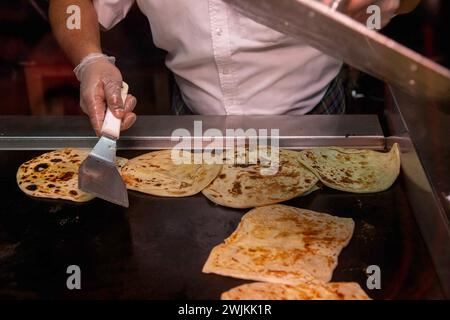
(179, 108)
(333, 102)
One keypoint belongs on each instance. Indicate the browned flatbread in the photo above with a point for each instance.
(352, 170)
(304, 291)
(155, 173)
(282, 244)
(243, 186)
(54, 175)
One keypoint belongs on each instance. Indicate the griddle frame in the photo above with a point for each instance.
(296, 132)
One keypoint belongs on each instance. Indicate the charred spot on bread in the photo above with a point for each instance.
(41, 167)
(31, 187)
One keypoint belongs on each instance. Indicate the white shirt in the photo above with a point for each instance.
(225, 63)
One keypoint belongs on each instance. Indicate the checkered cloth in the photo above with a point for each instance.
(178, 107)
(333, 102)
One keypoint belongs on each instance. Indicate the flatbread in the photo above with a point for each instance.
(54, 175)
(244, 186)
(272, 291)
(351, 170)
(155, 173)
(282, 244)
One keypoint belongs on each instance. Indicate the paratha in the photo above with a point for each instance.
(282, 244)
(272, 291)
(351, 170)
(244, 185)
(157, 174)
(54, 175)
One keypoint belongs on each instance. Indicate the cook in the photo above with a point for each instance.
(223, 62)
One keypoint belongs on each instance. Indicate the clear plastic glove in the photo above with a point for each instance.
(100, 86)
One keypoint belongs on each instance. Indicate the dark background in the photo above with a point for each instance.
(36, 78)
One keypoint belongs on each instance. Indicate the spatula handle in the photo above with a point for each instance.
(111, 124)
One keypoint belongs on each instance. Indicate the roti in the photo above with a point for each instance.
(54, 175)
(246, 185)
(351, 170)
(282, 244)
(155, 173)
(272, 291)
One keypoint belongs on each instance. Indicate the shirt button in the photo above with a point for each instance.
(219, 32)
(225, 70)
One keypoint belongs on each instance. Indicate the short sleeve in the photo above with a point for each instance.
(111, 12)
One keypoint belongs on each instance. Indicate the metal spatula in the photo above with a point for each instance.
(98, 174)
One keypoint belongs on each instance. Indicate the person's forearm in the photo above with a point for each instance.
(77, 43)
(407, 6)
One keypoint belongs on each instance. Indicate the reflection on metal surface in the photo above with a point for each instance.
(427, 123)
(421, 134)
(155, 132)
(341, 37)
(430, 217)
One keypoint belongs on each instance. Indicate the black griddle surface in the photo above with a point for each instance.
(156, 248)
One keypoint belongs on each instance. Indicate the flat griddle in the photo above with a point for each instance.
(156, 248)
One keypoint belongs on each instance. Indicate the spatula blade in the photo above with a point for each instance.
(98, 173)
(102, 179)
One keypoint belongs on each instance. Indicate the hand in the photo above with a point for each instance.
(357, 9)
(101, 84)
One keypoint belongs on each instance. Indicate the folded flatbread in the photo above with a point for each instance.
(305, 291)
(351, 170)
(156, 173)
(282, 244)
(55, 175)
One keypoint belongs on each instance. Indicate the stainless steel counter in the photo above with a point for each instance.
(428, 125)
(419, 182)
(423, 126)
(156, 132)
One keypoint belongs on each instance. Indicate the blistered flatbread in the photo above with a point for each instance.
(54, 175)
(248, 185)
(156, 173)
(305, 291)
(282, 244)
(359, 171)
